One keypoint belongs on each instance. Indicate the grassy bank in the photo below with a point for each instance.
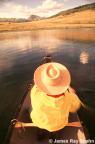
(80, 19)
(35, 26)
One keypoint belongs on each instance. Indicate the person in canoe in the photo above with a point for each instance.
(52, 98)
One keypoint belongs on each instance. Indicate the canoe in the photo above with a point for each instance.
(34, 135)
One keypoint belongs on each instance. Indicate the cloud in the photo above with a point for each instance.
(90, 1)
(47, 8)
(11, 9)
(84, 0)
(3, 1)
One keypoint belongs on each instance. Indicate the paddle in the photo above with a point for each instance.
(87, 98)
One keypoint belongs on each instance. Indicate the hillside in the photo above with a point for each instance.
(76, 9)
(80, 17)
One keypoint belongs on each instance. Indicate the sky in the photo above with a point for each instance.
(43, 8)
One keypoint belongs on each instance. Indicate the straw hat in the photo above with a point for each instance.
(52, 78)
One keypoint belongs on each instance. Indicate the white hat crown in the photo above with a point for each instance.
(51, 75)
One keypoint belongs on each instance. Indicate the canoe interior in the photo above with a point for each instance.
(35, 135)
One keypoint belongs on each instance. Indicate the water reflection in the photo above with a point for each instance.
(24, 45)
(70, 34)
(84, 57)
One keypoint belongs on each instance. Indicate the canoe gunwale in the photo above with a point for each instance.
(15, 117)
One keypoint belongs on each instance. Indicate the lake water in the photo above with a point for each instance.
(21, 53)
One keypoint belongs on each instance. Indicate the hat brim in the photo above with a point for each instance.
(55, 89)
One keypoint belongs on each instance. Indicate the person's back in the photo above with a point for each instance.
(52, 98)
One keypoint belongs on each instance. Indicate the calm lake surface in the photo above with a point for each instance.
(21, 53)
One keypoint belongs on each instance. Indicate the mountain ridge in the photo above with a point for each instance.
(34, 18)
(76, 9)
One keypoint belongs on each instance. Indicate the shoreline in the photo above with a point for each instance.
(64, 27)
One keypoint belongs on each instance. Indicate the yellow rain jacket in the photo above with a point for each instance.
(52, 113)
